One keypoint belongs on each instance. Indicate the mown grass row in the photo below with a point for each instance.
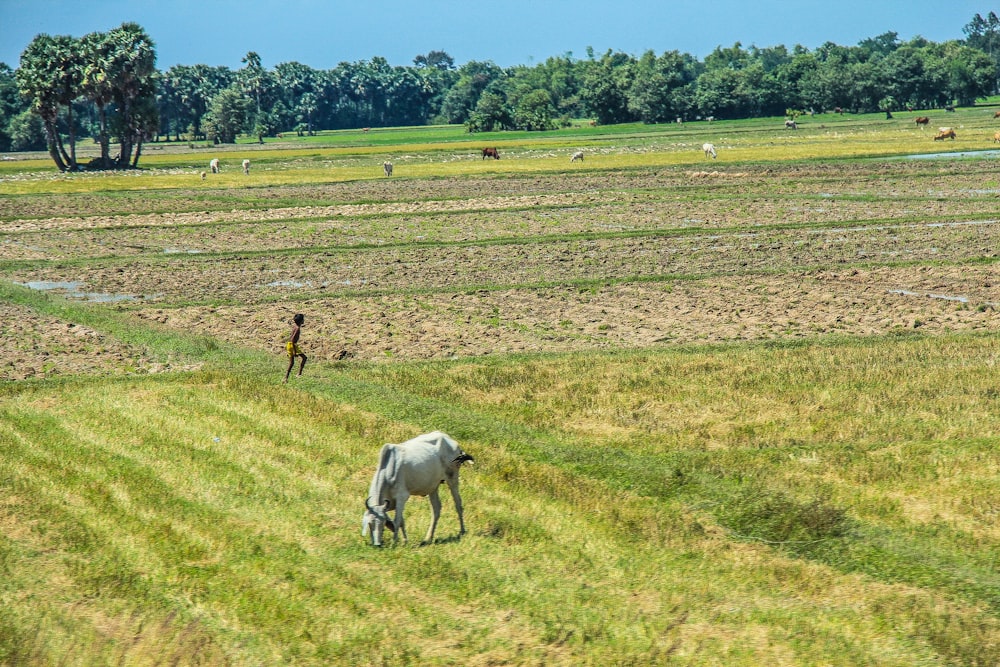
(718, 505)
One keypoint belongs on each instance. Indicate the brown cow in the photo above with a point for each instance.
(922, 121)
(996, 114)
(945, 134)
(491, 152)
(996, 137)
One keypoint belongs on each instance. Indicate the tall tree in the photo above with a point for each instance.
(882, 45)
(258, 84)
(49, 75)
(184, 95)
(437, 74)
(984, 34)
(131, 69)
(97, 85)
(653, 94)
(968, 74)
(462, 98)
(534, 111)
(228, 115)
(295, 88)
(11, 104)
(606, 86)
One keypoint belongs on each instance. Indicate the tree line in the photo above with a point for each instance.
(105, 86)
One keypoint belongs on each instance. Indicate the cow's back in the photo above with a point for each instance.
(421, 469)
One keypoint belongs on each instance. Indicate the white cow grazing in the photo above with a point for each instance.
(246, 167)
(214, 165)
(709, 150)
(577, 156)
(387, 168)
(416, 467)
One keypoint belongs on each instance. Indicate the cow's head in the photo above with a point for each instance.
(374, 520)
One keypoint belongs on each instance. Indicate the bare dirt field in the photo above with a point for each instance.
(36, 346)
(452, 268)
(628, 315)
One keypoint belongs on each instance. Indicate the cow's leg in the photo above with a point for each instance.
(400, 523)
(453, 485)
(435, 514)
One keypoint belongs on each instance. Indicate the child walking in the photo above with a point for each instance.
(292, 346)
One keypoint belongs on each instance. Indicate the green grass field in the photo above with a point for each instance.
(732, 412)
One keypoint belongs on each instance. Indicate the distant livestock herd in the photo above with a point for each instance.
(708, 148)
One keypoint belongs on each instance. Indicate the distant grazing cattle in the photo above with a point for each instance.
(922, 121)
(214, 165)
(246, 167)
(365, 129)
(491, 152)
(417, 467)
(838, 110)
(709, 150)
(950, 108)
(996, 114)
(577, 156)
(945, 133)
(387, 168)
(996, 137)
(203, 176)
(790, 125)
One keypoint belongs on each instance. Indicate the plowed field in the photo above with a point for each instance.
(400, 268)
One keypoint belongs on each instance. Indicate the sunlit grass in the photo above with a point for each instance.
(437, 153)
(224, 511)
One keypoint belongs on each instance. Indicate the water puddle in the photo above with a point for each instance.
(71, 289)
(960, 299)
(958, 154)
(287, 283)
(944, 297)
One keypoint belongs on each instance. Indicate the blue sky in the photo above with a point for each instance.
(323, 33)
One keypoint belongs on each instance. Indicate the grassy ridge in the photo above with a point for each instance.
(830, 500)
(221, 512)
